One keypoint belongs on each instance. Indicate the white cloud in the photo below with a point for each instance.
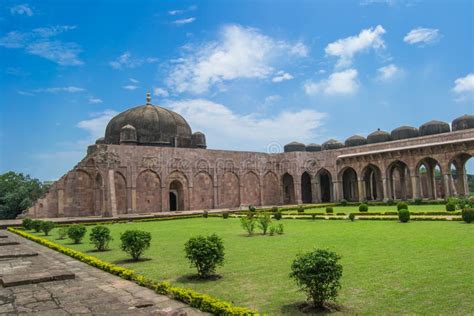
(282, 76)
(95, 100)
(21, 9)
(175, 12)
(68, 89)
(343, 82)
(464, 87)
(126, 60)
(184, 21)
(346, 48)
(41, 42)
(219, 123)
(388, 72)
(133, 80)
(130, 87)
(95, 126)
(422, 35)
(157, 91)
(240, 52)
(272, 99)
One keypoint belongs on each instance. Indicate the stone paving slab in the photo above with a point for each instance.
(3, 236)
(8, 243)
(32, 278)
(92, 292)
(18, 254)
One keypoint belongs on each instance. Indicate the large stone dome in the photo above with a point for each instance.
(404, 132)
(434, 127)
(151, 125)
(378, 137)
(463, 122)
(294, 146)
(313, 147)
(332, 144)
(355, 140)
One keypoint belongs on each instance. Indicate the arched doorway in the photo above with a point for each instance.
(399, 184)
(431, 179)
(325, 184)
(350, 190)
(176, 196)
(458, 182)
(306, 192)
(372, 183)
(288, 189)
(148, 192)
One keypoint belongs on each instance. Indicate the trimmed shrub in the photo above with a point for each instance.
(135, 242)
(205, 253)
(274, 209)
(47, 226)
(252, 208)
(318, 273)
(277, 215)
(363, 208)
(225, 215)
(26, 223)
(418, 201)
(100, 237)
(329, 210)
(343, 202)
(76, 232)
(300, 209)
(313, 216)
(389, 202)
(263, 222)
(402, 206)
(279, 229)
(205, 214)
(36, 225)
(248, 224)
(352, 217)
(450, 207)
(468, 215)
(404, 215)
(62, 232)
(471, 201)
(272, 230)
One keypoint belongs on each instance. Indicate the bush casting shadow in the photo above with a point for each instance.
(130, 260)
(310, 309)
(194, 278)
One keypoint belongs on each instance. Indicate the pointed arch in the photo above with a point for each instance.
(148, 186)
(120, 192)
(271, 189)
(251, 189)
(373, 185)
(229, 190)
(203, 191)
(350, 186)
(306, 190)
(288, 189)
(324, 178)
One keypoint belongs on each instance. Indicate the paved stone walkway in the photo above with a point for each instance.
(60, 285)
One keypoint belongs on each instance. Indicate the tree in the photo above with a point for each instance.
(100, 237)
(17, 193)
(205, 253)
(318, 274)
(135, 242)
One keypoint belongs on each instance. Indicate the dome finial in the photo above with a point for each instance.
(148, 98)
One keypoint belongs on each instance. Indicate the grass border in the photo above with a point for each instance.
(203, 302)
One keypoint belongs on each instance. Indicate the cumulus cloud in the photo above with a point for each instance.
(95, 126)
(282, 76)
(42, 42)
(422, 36)
(184, 21)
(240, 52)
(388, 72)
(126, 60)
(338, 83)
(345, 49)
(21, 9)
(160, 92)
(95, 100)
(219, 123)
(464, 87)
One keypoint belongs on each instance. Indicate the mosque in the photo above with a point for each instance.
(150, 161)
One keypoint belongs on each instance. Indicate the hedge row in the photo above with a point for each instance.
(203, 302)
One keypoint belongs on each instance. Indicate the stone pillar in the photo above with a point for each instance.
(165, 203)
(336, 194)
(241, 192)
(463, 184)
(188, 202)
(297, 192)
(60, 203)
(113, 199)
(415, 184)
(433, 183)
(447, 185)
(385, 189)
(260, 177)
(361, 189)
(316, 198)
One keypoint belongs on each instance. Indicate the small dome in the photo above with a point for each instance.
(355, 140)
(463, 122)
(100, 140)
(404, 132)
(294, 146)
(128, 134)
(332, 144)
(313, 147)
(378, 137)
(434, 127)
(199, 140)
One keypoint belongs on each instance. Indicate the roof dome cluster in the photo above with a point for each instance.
(403, 132)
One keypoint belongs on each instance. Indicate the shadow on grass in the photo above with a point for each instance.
(130, 261)
(97, 251)
(309, 309)
(195, 279)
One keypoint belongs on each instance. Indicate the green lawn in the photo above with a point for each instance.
(389, 267)
(374, 209)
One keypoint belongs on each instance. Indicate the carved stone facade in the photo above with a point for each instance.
(131, 179)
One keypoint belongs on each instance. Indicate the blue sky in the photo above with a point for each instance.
(252, 75)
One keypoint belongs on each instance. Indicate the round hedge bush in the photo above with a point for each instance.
(450, 207)
(205, 253)
(402, 206)
(329, 210)
(135, 242)
(404, 215)
(46, 227)
(277, 215)
(343, 202)
(363, 208)
(100, 237)
(352, 217)
(468, 215)
(76, 232)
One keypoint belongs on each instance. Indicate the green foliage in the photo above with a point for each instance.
(363, 208)
(17, 193)
(404, 215)
(135, 242)
(418, 201)
(272, 230)
(62, 232)
(248, 224)
(313, 217)
(279, 229)
(471, 200)
(46, 227)
(300, 209)
(390, 202)
(277, 215)
(205, 253)
(274, 209)
(329, 210)
(252, 208)
(468, 215)
(225, 215)
(205, 214)
(36, 225)
(264, 222)
(318, 273)
(450, 207)
(26, 223)
(100, 237)
(343, 202)
(402, 205)
(352, 217)
(76, 232)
